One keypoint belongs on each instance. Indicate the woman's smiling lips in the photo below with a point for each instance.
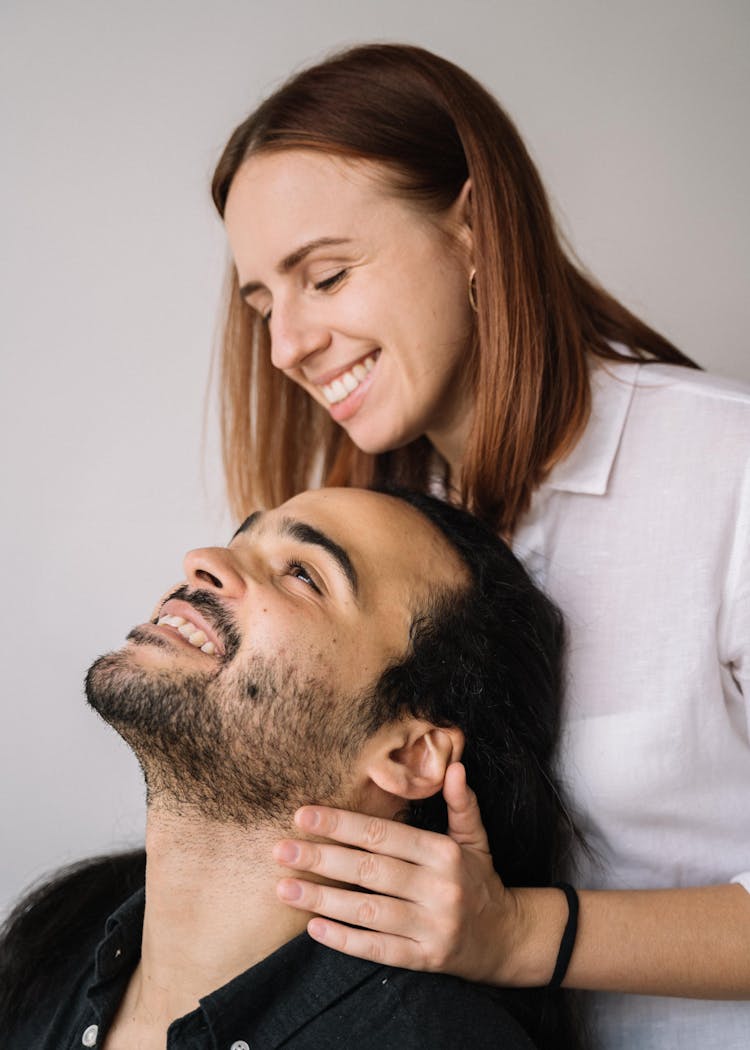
(345, 389)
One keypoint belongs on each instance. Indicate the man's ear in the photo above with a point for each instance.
(409, 758)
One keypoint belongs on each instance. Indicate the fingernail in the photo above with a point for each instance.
(287, 852)
(289, 890)
(308, 818)
(316, 928)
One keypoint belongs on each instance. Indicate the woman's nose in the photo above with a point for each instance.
(295, 335)
(213, 569)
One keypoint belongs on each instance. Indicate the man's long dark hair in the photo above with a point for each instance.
(489, 660)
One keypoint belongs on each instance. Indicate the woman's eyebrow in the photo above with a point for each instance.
(294, 258)
(304, 533)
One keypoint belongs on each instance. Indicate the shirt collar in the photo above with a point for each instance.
(120, 948)
(264, 1005)
(587, 468)
(281, 994)
(115, 958)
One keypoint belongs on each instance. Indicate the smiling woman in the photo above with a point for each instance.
(411, 164)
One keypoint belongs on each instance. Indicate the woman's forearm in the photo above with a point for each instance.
(693, 943)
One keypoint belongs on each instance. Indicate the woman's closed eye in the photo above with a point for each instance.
(326, 285)
(264, 312)
(330, 282)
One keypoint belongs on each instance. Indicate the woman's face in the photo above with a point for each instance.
(365, 295)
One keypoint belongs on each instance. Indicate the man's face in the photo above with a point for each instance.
(257, 701)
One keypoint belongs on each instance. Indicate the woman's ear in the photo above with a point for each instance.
(464, 205)
(462, 216)
(409, 758)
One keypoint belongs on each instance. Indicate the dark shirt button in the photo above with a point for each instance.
(91, 1035)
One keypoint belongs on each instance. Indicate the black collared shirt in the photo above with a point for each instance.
(303, 996)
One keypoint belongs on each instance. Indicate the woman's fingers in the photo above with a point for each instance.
(464, 819)
(390, 931)
(371, 871)
(382, 914)
(376, 947)
(376, 835)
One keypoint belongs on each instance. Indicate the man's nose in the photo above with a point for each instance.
(213, 569)
(296, 332)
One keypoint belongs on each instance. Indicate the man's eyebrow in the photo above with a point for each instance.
(248, 524)
(294, 258)
(304, 533)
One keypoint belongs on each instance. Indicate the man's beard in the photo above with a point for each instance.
(232, 745)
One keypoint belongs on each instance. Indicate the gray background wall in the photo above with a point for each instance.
(112, 117)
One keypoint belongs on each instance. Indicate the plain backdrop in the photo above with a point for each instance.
(113, 116)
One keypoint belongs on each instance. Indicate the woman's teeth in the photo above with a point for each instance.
(190, 632)
(348, 382)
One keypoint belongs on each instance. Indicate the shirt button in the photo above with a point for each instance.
(90, 1036)
(240, 1045)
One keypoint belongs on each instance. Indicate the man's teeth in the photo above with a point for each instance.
(347, 382)
(190, 632)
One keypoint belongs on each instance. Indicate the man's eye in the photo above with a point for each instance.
(300, 572)
(330, 282)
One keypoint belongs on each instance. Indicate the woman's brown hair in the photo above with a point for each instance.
(431, 127)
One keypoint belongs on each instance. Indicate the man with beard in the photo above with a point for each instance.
(344, 649)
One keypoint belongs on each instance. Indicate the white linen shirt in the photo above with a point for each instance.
(642, 537)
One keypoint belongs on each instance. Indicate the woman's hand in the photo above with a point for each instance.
(434, 902)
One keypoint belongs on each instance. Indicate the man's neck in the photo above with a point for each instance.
(211, 913)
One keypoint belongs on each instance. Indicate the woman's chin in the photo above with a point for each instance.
(375, 441)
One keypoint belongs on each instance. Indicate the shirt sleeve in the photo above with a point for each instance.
(743, 880)
(738, 613)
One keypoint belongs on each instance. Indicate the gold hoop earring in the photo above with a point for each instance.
(473, 290)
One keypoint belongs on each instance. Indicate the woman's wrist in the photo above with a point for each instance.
(535, 922)
(687, 942)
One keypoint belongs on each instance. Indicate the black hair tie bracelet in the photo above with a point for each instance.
(569, 935)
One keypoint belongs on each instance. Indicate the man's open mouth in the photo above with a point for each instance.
(188, 630)
(194, 627)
